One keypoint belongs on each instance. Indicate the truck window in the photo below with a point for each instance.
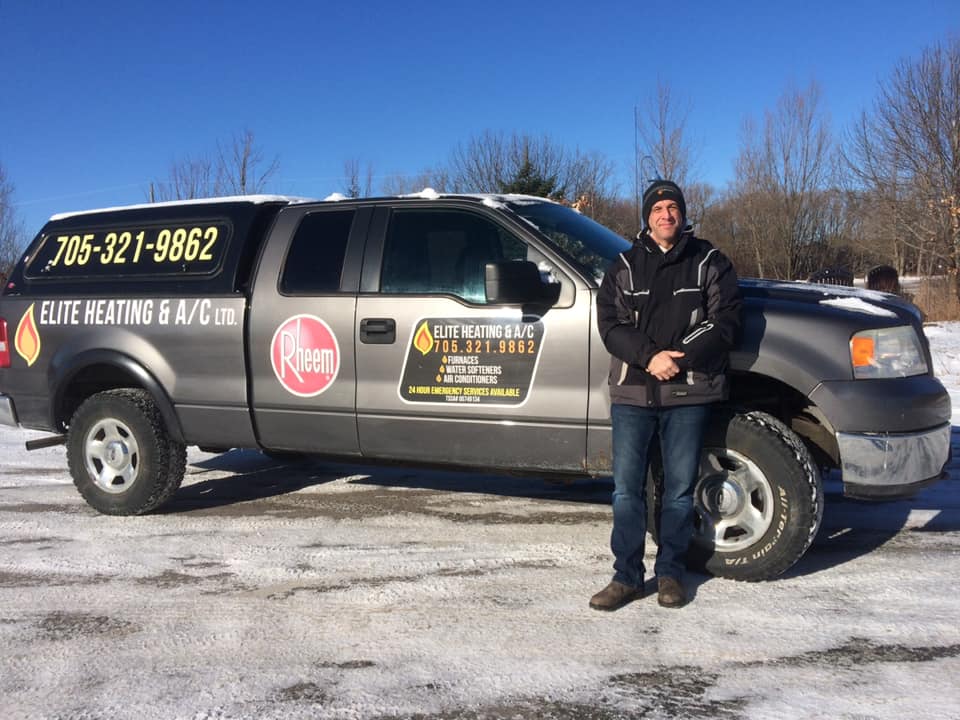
(315, 258)
(444, 251)
(587, 244)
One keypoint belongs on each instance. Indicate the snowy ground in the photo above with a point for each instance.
(321, 591)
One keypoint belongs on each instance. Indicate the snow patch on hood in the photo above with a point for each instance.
(858, 304)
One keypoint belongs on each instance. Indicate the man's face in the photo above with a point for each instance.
(665, 222)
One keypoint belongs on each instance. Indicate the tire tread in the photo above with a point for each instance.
(170, 456)
(807, 515)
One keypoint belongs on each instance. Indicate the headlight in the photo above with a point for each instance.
(887, 353)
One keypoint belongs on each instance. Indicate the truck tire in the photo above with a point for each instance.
(757, 503)
(120, 455)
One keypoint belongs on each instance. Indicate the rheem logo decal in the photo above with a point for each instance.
(305, 355)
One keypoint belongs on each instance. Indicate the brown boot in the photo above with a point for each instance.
(670, 592)
(614, 596)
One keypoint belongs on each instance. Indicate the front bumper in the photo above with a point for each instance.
(8, 414)
(891, 465)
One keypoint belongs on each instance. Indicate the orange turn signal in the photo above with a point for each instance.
(862, 351)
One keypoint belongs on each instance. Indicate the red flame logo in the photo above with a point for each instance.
(423, 341)
(27, 339)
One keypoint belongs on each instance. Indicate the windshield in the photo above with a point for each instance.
(587, 244)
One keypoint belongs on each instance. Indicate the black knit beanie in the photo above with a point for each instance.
(662, 190)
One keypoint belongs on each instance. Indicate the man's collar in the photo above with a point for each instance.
(645, 239)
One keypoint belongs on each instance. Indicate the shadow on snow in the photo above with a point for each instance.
(850, 528)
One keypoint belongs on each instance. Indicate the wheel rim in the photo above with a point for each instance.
(111, 455)
(733, 501)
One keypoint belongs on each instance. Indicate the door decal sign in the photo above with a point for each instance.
(484, 361)
(305, 355)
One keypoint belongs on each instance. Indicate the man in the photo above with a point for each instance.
(668, 312)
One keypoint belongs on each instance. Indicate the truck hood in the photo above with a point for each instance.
(837, 297)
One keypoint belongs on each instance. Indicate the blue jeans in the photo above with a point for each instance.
(681, 438)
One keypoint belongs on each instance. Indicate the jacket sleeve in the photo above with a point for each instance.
(616, 323)
(718, 332)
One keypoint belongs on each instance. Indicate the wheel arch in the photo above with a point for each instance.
(755, 391)
(92, 371)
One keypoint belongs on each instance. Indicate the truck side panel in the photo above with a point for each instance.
(454, 378)
(302, 328)
(192, 347)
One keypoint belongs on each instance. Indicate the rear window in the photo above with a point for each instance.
(190, 248)
(315, 260)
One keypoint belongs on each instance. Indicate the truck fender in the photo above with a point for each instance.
(63, 374)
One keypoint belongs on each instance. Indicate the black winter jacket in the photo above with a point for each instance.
(686, 300)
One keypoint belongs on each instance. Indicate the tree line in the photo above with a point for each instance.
(804, 197)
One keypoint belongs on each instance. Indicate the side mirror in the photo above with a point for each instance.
(518, 282)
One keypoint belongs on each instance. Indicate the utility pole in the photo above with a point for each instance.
(636, 165)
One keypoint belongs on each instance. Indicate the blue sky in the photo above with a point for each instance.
(97, 99)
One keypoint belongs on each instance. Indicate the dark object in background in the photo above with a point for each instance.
(883, 278)
(833, 276)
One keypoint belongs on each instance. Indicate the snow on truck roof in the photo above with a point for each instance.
(494, 200)
(252, 199)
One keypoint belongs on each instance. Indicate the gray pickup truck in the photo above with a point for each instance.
(443, 330)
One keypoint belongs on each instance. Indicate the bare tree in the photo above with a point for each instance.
(593, 191)
(496, 162)
(700, 198)
(242, 168)
(353, 186)
(906, 154)
(662, 127)
(480, 164)
(724, 227)
(662, 136)
(239, 169)
(619, 214)
(783, 173)
(492, 161)
(188, 179)
(400, 184)
(11, 229)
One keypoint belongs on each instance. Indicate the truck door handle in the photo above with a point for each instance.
(378, 331)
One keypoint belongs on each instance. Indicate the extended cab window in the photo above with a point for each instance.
(315, 259)
(444, 251)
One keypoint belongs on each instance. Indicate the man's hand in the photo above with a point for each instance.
(662, 365)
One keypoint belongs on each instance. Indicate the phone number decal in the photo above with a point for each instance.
(189, 248)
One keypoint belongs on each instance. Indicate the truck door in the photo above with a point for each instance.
(445, 377)
(301, 332)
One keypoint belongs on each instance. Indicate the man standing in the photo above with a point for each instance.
(668, 311)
